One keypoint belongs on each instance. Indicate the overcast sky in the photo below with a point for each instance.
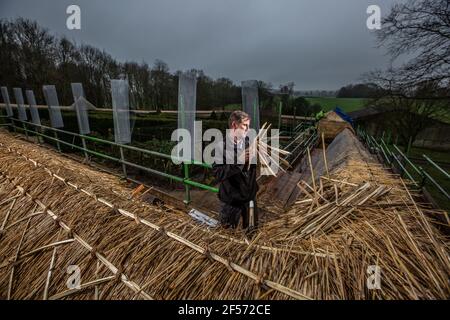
(318, 44)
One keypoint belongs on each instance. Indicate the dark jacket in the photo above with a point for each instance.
(237, 182)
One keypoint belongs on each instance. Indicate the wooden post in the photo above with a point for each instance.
(280, 106)
(251, 214)
(312, 170)
(325, 155)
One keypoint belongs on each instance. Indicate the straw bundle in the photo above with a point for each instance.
(363, 216)
(268, 156)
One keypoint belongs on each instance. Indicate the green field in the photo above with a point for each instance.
(441, 179)
(232, 107)
(346, 104)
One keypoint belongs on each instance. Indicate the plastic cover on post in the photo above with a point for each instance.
(54, 109)
(121, 111)
(250, 102)
(7, 102)
(33, 108)
(81, 108)
(187, 100)
(20, 104)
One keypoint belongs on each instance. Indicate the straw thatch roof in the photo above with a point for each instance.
(55, 212)
(331, 125)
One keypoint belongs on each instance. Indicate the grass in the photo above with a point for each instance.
(437, 195)
(435, 155)
(441, 156)
(346, 104)
(327, 104)
(232, 107)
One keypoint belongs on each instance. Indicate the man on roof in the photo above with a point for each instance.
(238, 187)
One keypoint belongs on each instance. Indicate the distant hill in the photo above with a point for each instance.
(309, 93)
(346, 104)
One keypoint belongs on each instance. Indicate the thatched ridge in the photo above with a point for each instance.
(331, 125)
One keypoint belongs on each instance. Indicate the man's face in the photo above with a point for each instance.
(240, 129)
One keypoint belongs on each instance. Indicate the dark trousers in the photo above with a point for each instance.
(231, 214)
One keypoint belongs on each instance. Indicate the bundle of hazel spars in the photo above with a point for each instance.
(269, 158)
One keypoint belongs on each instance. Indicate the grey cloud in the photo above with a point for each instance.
(318, 44)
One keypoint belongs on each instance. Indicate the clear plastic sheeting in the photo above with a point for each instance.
(121, 111)
(133, 109)
(250, 102)
(18, 95)
(89, 105)
(33, 108)
(51, 97)
(187, 100)
(81, 108)
(7, 102)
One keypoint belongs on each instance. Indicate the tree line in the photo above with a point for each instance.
(32, 57)
(360, 90)
(417, 91)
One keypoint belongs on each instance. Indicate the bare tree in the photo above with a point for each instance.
(421, 29)
(31, 57)
(417, 93)
(162, 84)
(287, 88)
(34, 55)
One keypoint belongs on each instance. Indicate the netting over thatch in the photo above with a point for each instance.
(55, 212)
